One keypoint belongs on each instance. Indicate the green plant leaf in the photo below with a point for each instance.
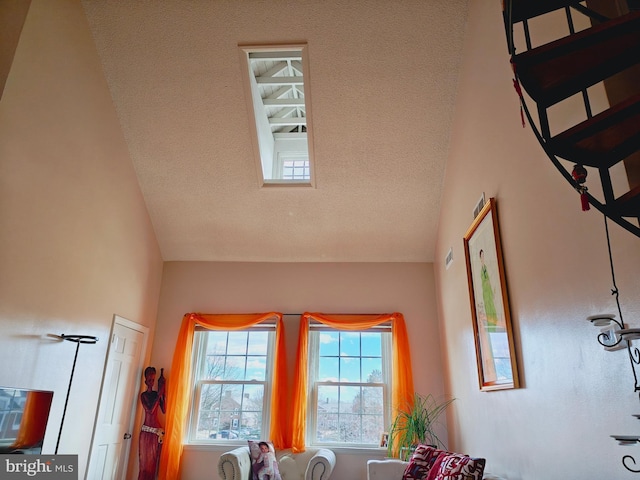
(415, 424)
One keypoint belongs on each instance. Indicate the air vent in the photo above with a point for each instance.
(449, 258)
(478, 207)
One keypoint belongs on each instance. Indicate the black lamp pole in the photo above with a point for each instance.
(78, 339)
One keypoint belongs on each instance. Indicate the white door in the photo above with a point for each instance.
(118, 400)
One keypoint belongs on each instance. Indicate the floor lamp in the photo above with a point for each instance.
(77, 339)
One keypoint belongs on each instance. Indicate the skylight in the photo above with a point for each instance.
(280, 114)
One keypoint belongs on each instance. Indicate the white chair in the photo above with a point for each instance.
(387, 469)
(313, 464)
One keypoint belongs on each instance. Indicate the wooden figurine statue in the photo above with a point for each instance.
(152, 433)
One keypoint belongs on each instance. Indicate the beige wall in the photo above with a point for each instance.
(294, 288)
(574, 394)
(76, 244)
(77, 247)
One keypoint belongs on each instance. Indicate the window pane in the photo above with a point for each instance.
(208, 411)
(350, 428)
(237, 412)
(214, 368)
(327, 414)
(372, 428)
(237, 343)
(350, 344)
(258, 343)
(372, 400)
(371, 344)
(349, 369)
(234, 370)
(372, 370)
(253, 398)
(329, 344)
(216, 342)
(327, 428)
(328, 398)
(251, 414)
(256, 368)
(295, 170)
(349, 396)
(328, 369)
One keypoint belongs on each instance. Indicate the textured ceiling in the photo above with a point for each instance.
(382, 86)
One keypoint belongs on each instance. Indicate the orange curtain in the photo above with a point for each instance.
(402, 376)
(179, 388)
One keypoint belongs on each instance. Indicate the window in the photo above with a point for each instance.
(276, 85)
(232, 372)
(293, 167)
(349, 379)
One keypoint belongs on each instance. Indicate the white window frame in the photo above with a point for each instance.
(313, 383)
(198, 369)
(284, 157)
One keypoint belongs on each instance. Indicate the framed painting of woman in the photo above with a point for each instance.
(497, 368)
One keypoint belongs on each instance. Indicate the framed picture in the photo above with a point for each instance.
(384, 440)
(495, 354)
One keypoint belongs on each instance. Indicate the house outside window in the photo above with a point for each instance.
(349, 382)
(232, 379)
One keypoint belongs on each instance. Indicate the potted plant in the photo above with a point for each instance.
(415, 424)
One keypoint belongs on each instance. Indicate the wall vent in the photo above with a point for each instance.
(478, 206)
(449, 258)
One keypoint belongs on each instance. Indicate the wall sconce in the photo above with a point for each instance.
(609, 336)
(615, 335)
(628, 440)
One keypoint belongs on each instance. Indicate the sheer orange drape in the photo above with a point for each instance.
(402, 376)
(179, 388)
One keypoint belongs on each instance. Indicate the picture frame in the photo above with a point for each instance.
(493, 333)
(384, 440)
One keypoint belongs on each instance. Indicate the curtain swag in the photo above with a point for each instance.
(179, 385)
(401, 378)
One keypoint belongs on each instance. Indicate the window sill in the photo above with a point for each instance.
(208, 447)
(345, 450)
(202, 447)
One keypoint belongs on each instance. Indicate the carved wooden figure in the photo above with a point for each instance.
(152, 433)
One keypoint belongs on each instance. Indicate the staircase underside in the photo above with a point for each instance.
(567, 67)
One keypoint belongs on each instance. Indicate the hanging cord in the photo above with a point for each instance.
(634, 353)
(614, 290)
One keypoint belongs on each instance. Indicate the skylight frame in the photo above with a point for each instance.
(260, 136)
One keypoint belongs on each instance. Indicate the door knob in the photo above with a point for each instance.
(127, 436)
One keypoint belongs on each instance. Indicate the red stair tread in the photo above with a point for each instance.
(564, 67)
(605, 139)
(628, 205)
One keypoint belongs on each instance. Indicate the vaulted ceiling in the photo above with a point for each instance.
(382, 85)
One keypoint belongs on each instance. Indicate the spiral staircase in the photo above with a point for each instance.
(567, 67)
